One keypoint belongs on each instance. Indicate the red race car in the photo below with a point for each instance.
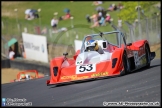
(101, 55)
(26, 75)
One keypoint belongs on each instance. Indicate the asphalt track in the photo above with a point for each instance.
(143, 85)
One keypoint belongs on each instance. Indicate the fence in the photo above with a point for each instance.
(148, 28)
(4, 51)
(62, 41)
(10, 30)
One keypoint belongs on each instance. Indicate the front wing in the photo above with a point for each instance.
(83, 72)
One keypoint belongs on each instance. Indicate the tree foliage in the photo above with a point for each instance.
(130, 13)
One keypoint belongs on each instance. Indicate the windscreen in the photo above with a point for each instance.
(112, 37)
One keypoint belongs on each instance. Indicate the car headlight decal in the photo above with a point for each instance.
(114, 62)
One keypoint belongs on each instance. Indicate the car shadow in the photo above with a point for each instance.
(144, 68)
(72, 82)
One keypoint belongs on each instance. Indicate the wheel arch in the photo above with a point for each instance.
(147, 45)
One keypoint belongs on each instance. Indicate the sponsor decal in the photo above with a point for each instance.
(79, 62)
(29, 45)
(99, 74)
(73, 77)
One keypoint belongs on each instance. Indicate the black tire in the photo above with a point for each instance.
(147, 50)
(125, 61)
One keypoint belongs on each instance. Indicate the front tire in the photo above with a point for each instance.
(125, 64)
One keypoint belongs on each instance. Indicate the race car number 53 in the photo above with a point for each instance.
(85, 68)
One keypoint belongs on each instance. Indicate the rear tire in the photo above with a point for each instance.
(147, 50)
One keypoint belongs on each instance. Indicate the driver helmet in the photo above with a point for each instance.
(92, 45)
(27, 76)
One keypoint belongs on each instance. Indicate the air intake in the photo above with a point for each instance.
(114, 62)
(55, 71)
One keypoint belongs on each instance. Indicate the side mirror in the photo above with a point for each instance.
(129, 44)
(65, 54)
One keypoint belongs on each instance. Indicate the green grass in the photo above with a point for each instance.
(78, 10)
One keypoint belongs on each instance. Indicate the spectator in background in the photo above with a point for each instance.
(104, 13)
(96, 3)
(88, 18)
(44, 31)
(31, 14)
(120, 6)
(94, 17)
(99, 15)
(112, 7)
(54, 23)
(102, 21)
(11, 53)
(108, 18)
(67, 16)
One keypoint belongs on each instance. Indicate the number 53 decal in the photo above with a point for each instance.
(85, 68)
